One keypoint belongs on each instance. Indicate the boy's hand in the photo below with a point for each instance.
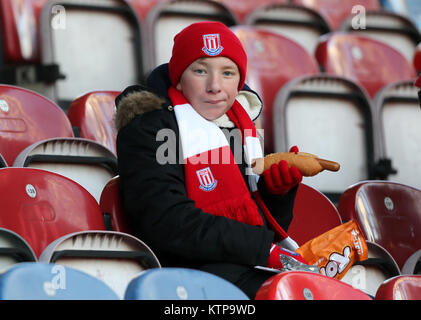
(279, 178)
(277, 253)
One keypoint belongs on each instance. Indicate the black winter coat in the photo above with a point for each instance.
(161, 214)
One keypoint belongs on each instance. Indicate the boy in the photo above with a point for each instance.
(207, 211)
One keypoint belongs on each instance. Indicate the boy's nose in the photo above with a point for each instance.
(214, 84)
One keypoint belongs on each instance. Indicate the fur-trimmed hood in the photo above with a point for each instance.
(137, 102)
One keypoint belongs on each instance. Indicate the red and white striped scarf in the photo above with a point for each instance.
(213, 178)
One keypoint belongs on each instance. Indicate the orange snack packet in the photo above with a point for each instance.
(336, 250)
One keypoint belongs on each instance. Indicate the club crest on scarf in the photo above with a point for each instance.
(212, 44)
(206, 179)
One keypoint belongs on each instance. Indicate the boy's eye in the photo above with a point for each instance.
(199, 71)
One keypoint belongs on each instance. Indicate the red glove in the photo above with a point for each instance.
(279, 179)
(275, 257)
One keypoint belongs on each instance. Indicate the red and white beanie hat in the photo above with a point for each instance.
(206, 39)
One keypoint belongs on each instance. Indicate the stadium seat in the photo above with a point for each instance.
(14, 249)
(41, 206)
(85, 161)
(299, 23)
(113, 257)
(369, 274)
(40, 281)
(301, 285)
(93, 117)
(400, 288)
(273, 60)
(366, 61)
(181, 284)
(112, 206)
(314, 214)
(388, 213)
(336, 11)
(27, 117)
(168, 17)
(241, 9)
(332, 118)
(397, 108)
(391, 28)
(105, 38)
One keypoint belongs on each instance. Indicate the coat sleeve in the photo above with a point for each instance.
(163, 216)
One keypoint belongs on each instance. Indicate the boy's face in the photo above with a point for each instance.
(210, 85)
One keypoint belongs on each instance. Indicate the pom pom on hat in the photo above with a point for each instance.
(206, 39)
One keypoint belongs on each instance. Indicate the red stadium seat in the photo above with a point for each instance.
(27, 117)
(314, 214)
(325, 115)
(388, 27)
(112, 206)
(105, 38)
(397, 107)
(370, 63)
(300, 285)
(299, 23)
(41, 206)
(388, 213)
(168, 17)
(113, 257)
(273, 60)
(400, 288)
(241, 9)
(86, 162)
(19, 31)
(93, 115)
(335, 11)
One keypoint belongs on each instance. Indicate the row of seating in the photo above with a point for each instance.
(50, 218)
(41, 281)
(128, 32)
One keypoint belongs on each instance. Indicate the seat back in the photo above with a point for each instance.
(388, 214)
(86, 162)
(336, 11)
(111, 204)
(167, 18)
(242, 9)
(397, 30)
(27, 117)
(397, 108)
(14, 249)
(93, 116)
(296, 22)
(314, 214)
(181, 284)
(403, 287)
(40, 281)
(273, 60)
(41, 206)
(99, 35)
(368, 62)
(332, 118)
(300, 285)
(113, 257)
(369, 274)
